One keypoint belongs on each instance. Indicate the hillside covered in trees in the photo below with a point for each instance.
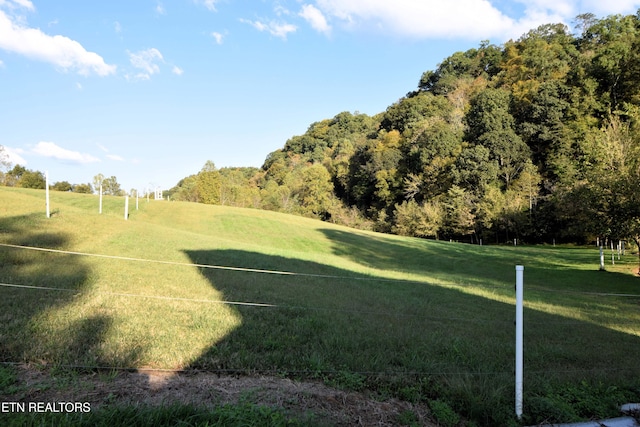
(536, 139)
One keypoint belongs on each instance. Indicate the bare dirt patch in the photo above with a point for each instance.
(156, 388)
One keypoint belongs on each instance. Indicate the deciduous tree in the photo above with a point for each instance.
(110, 186)
(208, 184)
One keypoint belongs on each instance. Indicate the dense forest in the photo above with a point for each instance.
(536, 140)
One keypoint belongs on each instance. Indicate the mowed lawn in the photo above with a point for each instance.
(184, 285)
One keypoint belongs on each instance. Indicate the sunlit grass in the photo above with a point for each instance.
(400, 316)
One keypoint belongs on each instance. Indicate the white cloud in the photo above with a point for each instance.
(274, 28)
(218, 37)
(209, 4)
(114, 157)
(14, 156)
(145, 60)
(148, 61)
(50, 149)
(281, 10)
(420, 19)
(13, 4)
(117, 27)
(58, 50)
(468, 19)
(315, 18)
(160, 10)
(78, 85)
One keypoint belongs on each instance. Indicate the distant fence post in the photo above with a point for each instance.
(519, 337)
(613, 261)
(601, 259)
(46, 175)
(126, 207)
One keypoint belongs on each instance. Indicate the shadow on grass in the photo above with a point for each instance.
(406, 339)
(33, 330)
(546, 268)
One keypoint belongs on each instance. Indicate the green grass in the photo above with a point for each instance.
(421, 320)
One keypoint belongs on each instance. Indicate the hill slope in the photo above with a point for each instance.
(183, 285)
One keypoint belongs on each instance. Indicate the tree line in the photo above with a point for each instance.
(537, 139)
(19, 176)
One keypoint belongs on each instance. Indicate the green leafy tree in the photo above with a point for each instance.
(406, 115)
(475, 170)
(542, 126)
(376, 182)
(12, 177)
(491, 125)
(459, 218)
(623, 208)
(338, 167)
(613, 45)
(62, 186)
(238, 187)
(83, 188)
(427, 159)
(472, 64)
(278, 197)
(544, 54)
(419, 220)
(315, 191)
(186, 190)
(32, 179)
(110, 186)
(208, 184)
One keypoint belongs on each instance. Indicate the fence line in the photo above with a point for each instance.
(209, 266)
(291, 273)
(297, 307)
(255, 304)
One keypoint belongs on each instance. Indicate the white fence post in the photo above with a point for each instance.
(126, 207)
(613, 261)
(519, 337)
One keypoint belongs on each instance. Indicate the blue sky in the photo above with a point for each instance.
(148, 91)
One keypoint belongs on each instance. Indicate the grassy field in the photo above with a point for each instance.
(415, 319)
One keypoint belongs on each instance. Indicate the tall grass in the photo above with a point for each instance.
(416, 319)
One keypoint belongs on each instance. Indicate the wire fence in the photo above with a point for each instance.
(269, 305)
